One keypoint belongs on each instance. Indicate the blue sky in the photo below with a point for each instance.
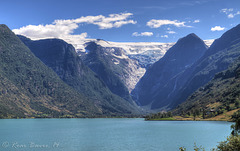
(120, 20)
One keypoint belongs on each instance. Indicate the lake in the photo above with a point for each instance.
(109, 134)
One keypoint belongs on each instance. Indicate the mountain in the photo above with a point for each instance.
(62, 58)
(223, 52)
(151, 89)
(28, 88)
(219, 95)
(146, 53)
(113, 67)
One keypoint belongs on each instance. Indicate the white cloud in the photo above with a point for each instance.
(64, 29)
(217, 28)
(196, 21)
(230, 12)
(171, 32)
(112, 21)
(136, 34)
(226, 10)
(164, 36)
(230, 16)
(158, 23)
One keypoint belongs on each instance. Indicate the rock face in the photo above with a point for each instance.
(114, 67)
(62, 58)
(152, 88)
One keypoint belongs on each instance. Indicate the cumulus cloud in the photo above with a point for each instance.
(64, 29)
(136, 34)
(158, 23)
(230, 12)
(217, 28)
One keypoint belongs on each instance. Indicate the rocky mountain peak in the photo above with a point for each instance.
(177, 59)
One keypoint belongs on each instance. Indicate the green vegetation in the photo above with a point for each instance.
(233, 141)
(28, 88)
(161, 116)
(196, 148)
(231, 144)
(217, 98)
(62, 58)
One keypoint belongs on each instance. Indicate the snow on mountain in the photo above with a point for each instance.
(209, 42)
(146, 53)
(138, 55)
(118, 66)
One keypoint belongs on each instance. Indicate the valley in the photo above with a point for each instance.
(135, 79)
(129, 75)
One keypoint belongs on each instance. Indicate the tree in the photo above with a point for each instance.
(233, 141)
(236, 127)
(169, 114)
(194, 115)
(203, 113)
(182, 149)
(237, 103)
(231, 144)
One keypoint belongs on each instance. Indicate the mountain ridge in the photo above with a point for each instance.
(178, 58)
(31, 89)
(146, 53)
(62, 58)
(216, 59)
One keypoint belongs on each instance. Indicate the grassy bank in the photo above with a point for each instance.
(226, 116)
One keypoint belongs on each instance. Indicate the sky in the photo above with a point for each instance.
(120, 20)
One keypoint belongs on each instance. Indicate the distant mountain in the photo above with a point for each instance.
(219, 95)
(113, 67)
(63, 59)
(151, 89)
(28, 88)
(146, 53)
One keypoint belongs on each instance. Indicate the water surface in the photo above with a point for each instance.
(109, 134)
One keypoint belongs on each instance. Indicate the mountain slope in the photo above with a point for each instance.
(151, 89)
(62, 58)
(219, 95)
(115, 68)
(217, 58)
(29, 88)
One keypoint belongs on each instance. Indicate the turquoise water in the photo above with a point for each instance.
(108, 134)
